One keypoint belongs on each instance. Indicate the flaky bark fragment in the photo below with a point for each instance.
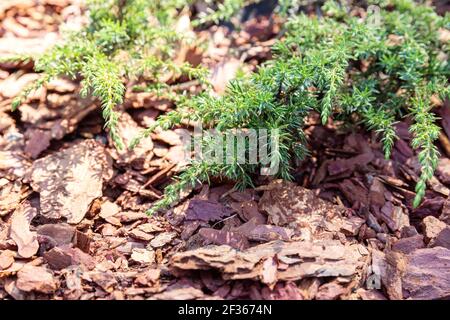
(304, 259)
(25, 239)
(69, 180)
(421, 274)
(295, 207)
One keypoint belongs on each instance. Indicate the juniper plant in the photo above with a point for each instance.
(124, 39)
(377, 68)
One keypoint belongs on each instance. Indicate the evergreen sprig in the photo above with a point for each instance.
(377, 68)
(124, 39)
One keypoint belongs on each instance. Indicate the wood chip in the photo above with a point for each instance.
(69, 180)
(25, 239)
(143, 256)
(295, 207)
(31, 278)
(319, 259)
(162, 239)
(6, 259)
(432, 227)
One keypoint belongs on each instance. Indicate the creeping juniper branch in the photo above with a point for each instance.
(374, 68)
(124, 39)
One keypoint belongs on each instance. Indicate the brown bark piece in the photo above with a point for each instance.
(25, 239)
(69, 180)
(305, 259)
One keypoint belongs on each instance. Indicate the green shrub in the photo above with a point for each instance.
(378, 69)
(124, 39)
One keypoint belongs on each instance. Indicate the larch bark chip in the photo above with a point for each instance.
(69, 180)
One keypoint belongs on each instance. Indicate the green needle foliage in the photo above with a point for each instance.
(377, 68)
(124, 39)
